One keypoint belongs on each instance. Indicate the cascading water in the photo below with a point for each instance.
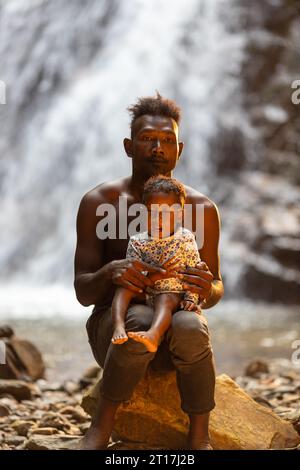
(71, 69)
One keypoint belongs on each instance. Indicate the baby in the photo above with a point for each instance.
(170, 247)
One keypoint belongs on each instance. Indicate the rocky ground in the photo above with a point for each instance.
(31, 412)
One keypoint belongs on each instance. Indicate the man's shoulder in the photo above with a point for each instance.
(107, 192)
(196, 197)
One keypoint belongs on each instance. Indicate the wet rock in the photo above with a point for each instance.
(256, 368)
(16, 388)
(52, 442)
(154, 416)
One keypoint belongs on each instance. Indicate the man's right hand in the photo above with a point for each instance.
(128, 273)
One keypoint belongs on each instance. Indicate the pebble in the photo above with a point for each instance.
(4, 411)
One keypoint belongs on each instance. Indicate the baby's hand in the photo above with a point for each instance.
(190, 306)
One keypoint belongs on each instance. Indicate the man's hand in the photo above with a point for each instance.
(170, 269)
(128, 273)
(198, 279)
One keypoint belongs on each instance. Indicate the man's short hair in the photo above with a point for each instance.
(163, 184)
(155, 106)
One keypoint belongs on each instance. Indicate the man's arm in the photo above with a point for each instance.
(209, 253)
(205, 279)
(93, 278)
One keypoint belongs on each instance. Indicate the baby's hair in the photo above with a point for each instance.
(155, 106)
(163, 184)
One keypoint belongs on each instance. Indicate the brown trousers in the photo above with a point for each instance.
(185, 347)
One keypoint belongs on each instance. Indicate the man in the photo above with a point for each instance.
(100, 266)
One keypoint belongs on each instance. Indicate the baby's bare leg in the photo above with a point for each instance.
(119, 308)
(164, 305)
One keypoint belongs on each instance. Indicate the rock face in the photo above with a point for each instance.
(154, 417)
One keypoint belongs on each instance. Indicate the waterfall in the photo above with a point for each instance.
(71, 69)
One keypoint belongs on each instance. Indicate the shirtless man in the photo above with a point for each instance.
(101, 265)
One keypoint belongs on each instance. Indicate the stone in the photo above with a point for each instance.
(4, 411)
(92, 372)
(54, 420)
(255, 368)
(30, 356)
(16, 388)
(44, 431)
(154, 417)
(74, 413)
(52, 442)
(22, 427)
(6, 331)
(70, 387)
(14, 440)
(23, 360)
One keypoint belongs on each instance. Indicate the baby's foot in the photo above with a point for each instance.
(148, 338)
(119, 335)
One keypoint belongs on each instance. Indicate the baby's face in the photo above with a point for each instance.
(164, 214)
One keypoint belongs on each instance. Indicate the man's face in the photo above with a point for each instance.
(154, 145)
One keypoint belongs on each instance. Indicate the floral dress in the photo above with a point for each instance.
(156, 251)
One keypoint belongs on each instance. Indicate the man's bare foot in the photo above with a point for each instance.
(92, 441)
(201, 445)
(148, 338)
(119, 335)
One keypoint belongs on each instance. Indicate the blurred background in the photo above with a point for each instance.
(70, 70)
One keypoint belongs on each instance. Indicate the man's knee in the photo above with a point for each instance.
(138, 317)
(189, 333)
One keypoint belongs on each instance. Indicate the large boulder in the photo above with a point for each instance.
(154, 417)
(23, 361)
